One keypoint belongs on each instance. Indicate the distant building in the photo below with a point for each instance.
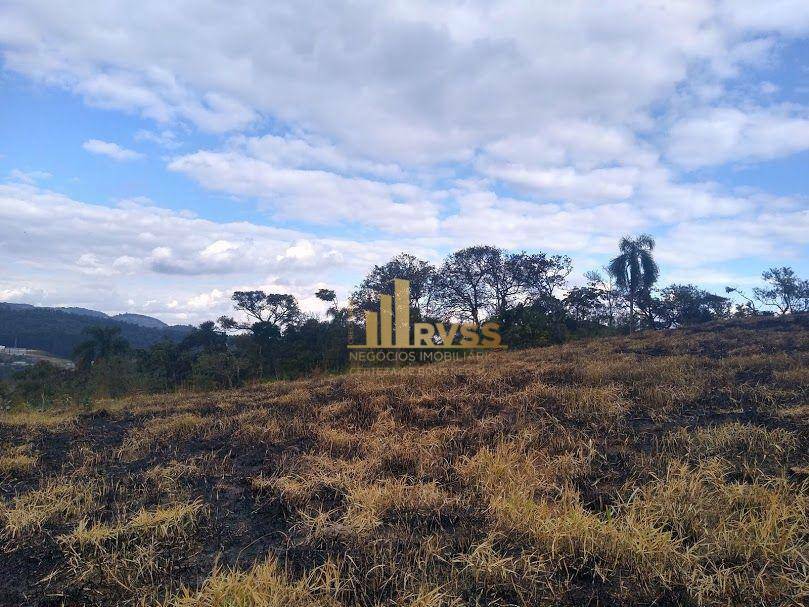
(14, 351)
(31, 357)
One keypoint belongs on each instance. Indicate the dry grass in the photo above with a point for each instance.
(263, 584)
(17, 460)
(662, 469)
(165, 432)
(33, 419)
(55, 500)
(130, 556)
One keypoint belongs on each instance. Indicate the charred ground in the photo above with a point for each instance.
(665, 468)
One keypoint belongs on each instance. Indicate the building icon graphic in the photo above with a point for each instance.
(390, 328)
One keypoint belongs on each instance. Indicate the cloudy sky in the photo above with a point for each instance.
(155, 157)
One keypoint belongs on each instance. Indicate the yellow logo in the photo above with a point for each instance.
(384, 330)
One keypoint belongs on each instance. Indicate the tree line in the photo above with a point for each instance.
(528, 294)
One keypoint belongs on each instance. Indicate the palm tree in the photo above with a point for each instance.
(103, 343)
(635, 269)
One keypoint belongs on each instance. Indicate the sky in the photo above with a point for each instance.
(155, 159)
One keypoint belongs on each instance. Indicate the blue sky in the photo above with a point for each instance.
(155, 162)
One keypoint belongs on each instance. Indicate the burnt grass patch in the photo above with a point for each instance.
(659, 469)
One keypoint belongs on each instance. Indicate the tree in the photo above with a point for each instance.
(326, 295)
(635, 270)
(538, 323)
(216, 370)
(607, 292)
(748, 308)
(784, 291)
(277, 309)
(205, 338)
(465, 283)
(329, 296)
(104, 342)
(504, 278)
(486, 281)
(41, 385)
(680, 305)
(165, 365)
(543, 274)
(274, 315)
(379, 281)
(517, 278)
(584, 303)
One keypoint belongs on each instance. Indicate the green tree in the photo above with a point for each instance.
(104, 342)
(379, 281)
(785, 291)
(205, 338)
(465, 283)
(520, 278)
(680, 305)
(748, 308)
(40, 385)
(164, 366)
(609, 295)
(278, 309)
(270, 318)
(584, 303)
(216, 370)
(635, 270)
(329, 296)
(482, 282)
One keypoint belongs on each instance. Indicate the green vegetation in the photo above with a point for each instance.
(59, 332)
(635, 270)
(271, 338)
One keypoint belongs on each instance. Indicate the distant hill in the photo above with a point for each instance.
(140, 320)
(59, 331)
(82, 312)
(19, 306)
(134, 319)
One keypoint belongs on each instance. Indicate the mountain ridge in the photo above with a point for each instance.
(128, 317)
(59, 330)
(141, 320)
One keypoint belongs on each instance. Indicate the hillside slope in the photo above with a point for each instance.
(59, 331)
(666, 468)
(140, 320)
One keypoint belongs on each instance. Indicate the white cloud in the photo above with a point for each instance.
(568, 184)
(768, 88)
(206, 302)
(89, 263)
(302, 250)
(720, 135)
(165, 139)
(414, 82)
(111, 150)
(583, 144)
(103, 257)
(789, 17)
(20, 294)
(29, 177)
(306, 152)
(314, 196)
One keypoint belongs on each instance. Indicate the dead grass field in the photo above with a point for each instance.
(668, 468)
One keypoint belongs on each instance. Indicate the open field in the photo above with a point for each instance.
(667, 468)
